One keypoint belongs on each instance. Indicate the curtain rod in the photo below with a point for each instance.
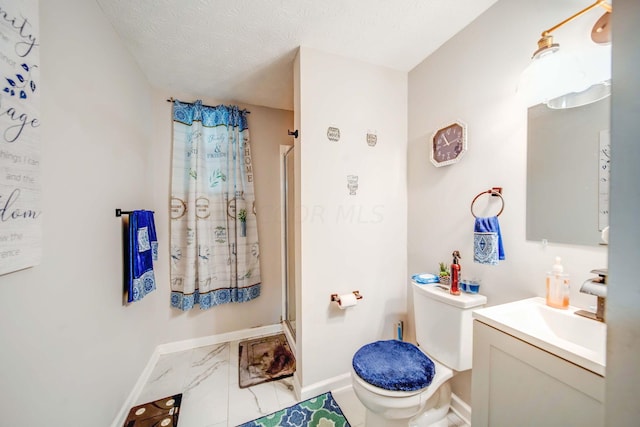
(210, 106)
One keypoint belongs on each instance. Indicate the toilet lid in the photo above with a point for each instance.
(394, 365)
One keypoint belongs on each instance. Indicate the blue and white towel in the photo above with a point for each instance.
(142, 251)
(487, 241)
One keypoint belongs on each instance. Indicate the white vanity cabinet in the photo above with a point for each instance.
(517, 384)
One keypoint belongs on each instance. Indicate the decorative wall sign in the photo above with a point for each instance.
(372, 138)
(352, 184)
(333, 134)
(20, 187)
(604, 172)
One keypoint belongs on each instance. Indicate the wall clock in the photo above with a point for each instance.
(448, 144)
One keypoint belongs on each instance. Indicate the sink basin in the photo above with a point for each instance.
(574, 338)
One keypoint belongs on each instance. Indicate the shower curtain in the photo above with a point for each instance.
(214, 235)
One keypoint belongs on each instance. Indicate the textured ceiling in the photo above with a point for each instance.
(243, 50)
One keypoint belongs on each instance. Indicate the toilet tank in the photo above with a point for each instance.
(444, 324)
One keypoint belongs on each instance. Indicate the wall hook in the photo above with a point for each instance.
(294, 134)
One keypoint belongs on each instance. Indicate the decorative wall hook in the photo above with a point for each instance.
(333, 134)
(352, 184)
(372, 138)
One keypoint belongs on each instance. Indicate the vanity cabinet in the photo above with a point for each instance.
(515, 383)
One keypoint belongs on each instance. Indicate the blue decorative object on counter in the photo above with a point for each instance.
(424, 278)
(473, 287)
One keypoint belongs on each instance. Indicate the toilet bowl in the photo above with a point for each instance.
(395, 389)
(391, 408)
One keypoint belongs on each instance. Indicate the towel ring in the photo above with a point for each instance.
(495, 191)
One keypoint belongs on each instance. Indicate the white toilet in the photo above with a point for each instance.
(396, 383)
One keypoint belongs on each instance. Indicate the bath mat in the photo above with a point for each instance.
(265, 359)
(162, 412)
(319, 411)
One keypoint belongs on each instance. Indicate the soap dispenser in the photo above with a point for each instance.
(558, 286)
(455, 274)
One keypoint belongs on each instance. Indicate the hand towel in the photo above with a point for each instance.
(487, 241)
(142, 251)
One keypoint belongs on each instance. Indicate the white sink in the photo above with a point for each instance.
(561, 332)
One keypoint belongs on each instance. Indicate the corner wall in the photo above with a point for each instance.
(349, 242)
(473, 78)
(71, 352)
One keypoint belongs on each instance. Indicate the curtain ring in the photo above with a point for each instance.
(494, 192)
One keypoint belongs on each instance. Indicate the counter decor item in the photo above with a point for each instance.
(445, 277)
(557, 286)
(425, 278)
(454, 289)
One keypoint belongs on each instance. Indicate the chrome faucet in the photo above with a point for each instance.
(596, 286)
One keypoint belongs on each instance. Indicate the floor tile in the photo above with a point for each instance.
(351, 407)
(167, 377)
(285, 392)
(252, 402)
(207, 377)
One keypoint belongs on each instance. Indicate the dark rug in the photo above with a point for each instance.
(320, 411)
(265, 359)
(162, 412)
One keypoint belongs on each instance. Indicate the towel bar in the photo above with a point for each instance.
(496, 192)
(120, 212)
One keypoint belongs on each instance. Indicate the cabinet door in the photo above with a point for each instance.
(517, 384)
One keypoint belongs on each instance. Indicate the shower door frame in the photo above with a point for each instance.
(288, 283)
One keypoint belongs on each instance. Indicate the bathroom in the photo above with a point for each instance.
(72, 353)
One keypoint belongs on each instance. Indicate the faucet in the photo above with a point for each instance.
(595, 286)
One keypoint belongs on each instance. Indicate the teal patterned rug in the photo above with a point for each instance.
(319, 411)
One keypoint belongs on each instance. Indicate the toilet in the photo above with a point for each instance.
(400, 384)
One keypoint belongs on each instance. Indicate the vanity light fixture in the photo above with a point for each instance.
(563, 80)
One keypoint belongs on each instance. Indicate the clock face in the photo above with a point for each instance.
(449, 144)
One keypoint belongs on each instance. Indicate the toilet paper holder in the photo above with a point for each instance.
(336, 297)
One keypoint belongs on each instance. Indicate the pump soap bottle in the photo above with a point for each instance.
(558, 286)
(455, 274)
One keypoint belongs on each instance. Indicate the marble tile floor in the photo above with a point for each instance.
(208, 379)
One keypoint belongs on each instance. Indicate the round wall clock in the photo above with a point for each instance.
(448, 144)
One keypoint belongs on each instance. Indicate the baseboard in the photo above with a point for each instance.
(324, 386)
(172, 347)
(137, 389)
(461, 408)
(186, 345)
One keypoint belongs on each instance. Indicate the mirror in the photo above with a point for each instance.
(568, 173)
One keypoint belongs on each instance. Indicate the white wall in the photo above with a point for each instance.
(623, 299)
(268, 129)
(70, 351)
(350, 242)
(473, 77)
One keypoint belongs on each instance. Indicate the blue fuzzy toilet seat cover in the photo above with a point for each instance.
(394, 365)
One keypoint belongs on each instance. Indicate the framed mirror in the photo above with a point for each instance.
(567, 173)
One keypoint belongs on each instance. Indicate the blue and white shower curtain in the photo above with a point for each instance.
(214, 234)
